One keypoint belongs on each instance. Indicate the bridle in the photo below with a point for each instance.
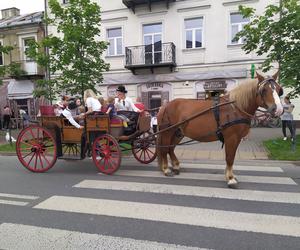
(260, 90)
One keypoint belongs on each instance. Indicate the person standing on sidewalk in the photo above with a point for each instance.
(6, 117)
(287, 117)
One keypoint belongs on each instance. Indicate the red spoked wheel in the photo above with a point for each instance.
(144, 148)
(106, 154)
(36, 149)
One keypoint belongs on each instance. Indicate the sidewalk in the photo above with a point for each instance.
(250, 149)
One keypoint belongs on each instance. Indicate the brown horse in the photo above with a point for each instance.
(226, 118)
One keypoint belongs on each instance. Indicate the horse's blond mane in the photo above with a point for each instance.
(244, 93)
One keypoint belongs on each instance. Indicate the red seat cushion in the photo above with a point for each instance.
(140, 106)
(116, 121)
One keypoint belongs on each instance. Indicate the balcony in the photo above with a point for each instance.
(26, 68)
(150, 56)
(131, 4)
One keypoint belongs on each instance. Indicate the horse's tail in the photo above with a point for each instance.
(162, 122)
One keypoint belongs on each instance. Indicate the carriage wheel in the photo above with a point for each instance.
(144, 149)
(106, 154)
(36, 149)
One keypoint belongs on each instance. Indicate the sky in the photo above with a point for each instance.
(25, 6)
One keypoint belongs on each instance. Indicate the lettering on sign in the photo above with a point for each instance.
(154, 85)
(215, 85)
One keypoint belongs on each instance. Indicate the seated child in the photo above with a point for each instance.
(111, 111)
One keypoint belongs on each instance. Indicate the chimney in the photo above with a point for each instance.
(10, 12)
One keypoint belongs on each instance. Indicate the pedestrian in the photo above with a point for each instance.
(6, 117)
(25, 117)
(287, 117)
(154, 123)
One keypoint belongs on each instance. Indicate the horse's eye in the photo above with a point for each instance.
(280, 93)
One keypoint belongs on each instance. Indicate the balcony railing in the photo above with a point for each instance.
(27, 68)
(131, 4)
(151, 56)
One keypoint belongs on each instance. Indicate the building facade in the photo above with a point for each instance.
(18, 31)
(170, 49)
(166, 49)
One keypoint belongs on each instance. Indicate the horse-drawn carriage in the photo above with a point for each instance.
(225, 118)
(38, 146)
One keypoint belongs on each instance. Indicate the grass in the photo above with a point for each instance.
(282, 150)
(8, 148)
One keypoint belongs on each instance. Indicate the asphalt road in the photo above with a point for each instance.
(74, 207)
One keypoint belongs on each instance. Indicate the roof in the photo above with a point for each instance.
(20, 89)
(32, 18)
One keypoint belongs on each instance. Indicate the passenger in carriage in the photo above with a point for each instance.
(67, 113)
(103, 103)
(61, 105)
(91, 102)
(111, 110)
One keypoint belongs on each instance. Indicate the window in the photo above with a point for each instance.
(1, 55)
(237, 22)
(153, 43)
(26, 43)
(193, 32)
(114, 37)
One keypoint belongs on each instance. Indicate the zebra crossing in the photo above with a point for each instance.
(183, 201)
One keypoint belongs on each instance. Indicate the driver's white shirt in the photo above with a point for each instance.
(126, 104)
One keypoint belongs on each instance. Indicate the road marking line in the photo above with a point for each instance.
(212, 166)
(16, 203)
(223, 193)
(18, 236)
(29, 197)
(250, 222)
(235, 167)
(208, 177)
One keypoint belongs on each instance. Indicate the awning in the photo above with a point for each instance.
(20, 89)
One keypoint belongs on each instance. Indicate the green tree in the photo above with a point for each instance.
(74, 56)
(276, 34)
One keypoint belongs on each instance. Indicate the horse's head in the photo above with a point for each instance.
(268, 92)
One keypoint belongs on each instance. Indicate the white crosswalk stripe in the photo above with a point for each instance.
(210, 177)
(33, 237)
(250, 195)
(16, 199)
(259, 223)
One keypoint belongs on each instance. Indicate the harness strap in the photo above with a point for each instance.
(216, 110)
(242, 120)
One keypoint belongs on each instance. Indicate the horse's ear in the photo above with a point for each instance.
(275, 75)
(259, 77)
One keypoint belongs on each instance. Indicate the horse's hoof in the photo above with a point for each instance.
(232, 183)
(176, 171)
(169, 173)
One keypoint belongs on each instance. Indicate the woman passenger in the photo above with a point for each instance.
(91, 102)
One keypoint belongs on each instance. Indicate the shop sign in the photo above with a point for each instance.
(154, 86)
(215, 85)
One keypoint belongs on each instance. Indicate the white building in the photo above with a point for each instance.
(165, 49)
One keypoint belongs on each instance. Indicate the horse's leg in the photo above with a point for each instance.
(231, 145)
(163, 149)
(175, 163)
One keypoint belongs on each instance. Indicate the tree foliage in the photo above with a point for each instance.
(276, 35)
(74, 57)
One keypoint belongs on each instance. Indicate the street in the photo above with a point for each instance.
(72, 206)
